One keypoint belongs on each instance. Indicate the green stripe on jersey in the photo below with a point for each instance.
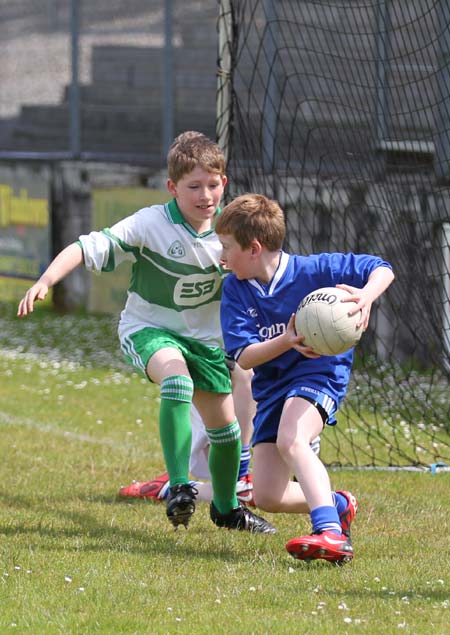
(111, 264)
(177, 287)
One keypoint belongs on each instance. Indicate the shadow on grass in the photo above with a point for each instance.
(45, 518)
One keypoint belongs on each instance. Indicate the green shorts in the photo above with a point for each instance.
(206, 364)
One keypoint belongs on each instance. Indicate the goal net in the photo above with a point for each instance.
(341, 112)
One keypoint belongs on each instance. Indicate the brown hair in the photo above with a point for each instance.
(253, 216)
(191, 149)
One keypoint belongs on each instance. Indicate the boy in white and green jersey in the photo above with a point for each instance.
(170, 326)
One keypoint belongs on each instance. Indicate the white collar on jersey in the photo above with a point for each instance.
(268, 289)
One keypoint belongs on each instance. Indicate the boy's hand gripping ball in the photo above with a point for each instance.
(324, 321)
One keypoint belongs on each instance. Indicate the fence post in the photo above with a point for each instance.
(272, 103)
(168, 114)
(74, 93)
(224, 70)
(382, 59)
(442, 123)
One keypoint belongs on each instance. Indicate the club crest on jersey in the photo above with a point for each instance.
(176, 250)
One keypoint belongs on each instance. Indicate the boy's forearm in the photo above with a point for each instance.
(256, 354)
(63, 264)
(379, 281)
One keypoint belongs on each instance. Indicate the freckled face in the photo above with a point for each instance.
(234, 258)
(198, 195)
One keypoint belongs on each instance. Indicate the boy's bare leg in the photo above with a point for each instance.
(273, 489)
(244, 405)
(275, 492)
(300, 423)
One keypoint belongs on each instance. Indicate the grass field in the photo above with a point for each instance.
(76, 424)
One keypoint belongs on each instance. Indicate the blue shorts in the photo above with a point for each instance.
(268, 415)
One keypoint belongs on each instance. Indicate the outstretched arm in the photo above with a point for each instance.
(65, 262)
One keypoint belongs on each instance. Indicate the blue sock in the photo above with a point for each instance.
(340, 502)
(325, 518)
(245, 461)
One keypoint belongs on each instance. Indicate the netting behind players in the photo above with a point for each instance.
(341, 112)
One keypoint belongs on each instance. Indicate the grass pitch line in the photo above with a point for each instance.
(66, 434)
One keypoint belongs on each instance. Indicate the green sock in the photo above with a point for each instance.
(175, 426)
(223, 460)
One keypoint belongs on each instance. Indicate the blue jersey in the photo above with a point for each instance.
(252, 312)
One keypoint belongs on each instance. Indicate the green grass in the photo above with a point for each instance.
(76, 424)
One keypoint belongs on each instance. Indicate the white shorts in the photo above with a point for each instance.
(198, 464)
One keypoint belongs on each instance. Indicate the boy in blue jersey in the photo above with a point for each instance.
(170, 326)
(297, 391)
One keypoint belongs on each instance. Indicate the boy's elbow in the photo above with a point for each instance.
(243, 363)
(384, 272)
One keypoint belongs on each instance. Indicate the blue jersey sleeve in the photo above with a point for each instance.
(236, 317)
(338, 268)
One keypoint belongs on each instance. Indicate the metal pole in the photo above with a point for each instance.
(270, 112)
(442, 123)
(74, 93)
(168, 102)
(224, 61)
(382, 49)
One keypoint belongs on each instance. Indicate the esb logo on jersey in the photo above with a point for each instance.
(196, 289)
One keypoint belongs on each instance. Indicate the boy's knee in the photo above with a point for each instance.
(284, 445)
(288, 447)
(265, 500)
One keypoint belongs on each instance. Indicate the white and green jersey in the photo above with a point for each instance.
(176, 280)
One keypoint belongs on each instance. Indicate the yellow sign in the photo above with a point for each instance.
(12, 289)
(24, 228)
(108, 291)
(21, 267)
(22, 209)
